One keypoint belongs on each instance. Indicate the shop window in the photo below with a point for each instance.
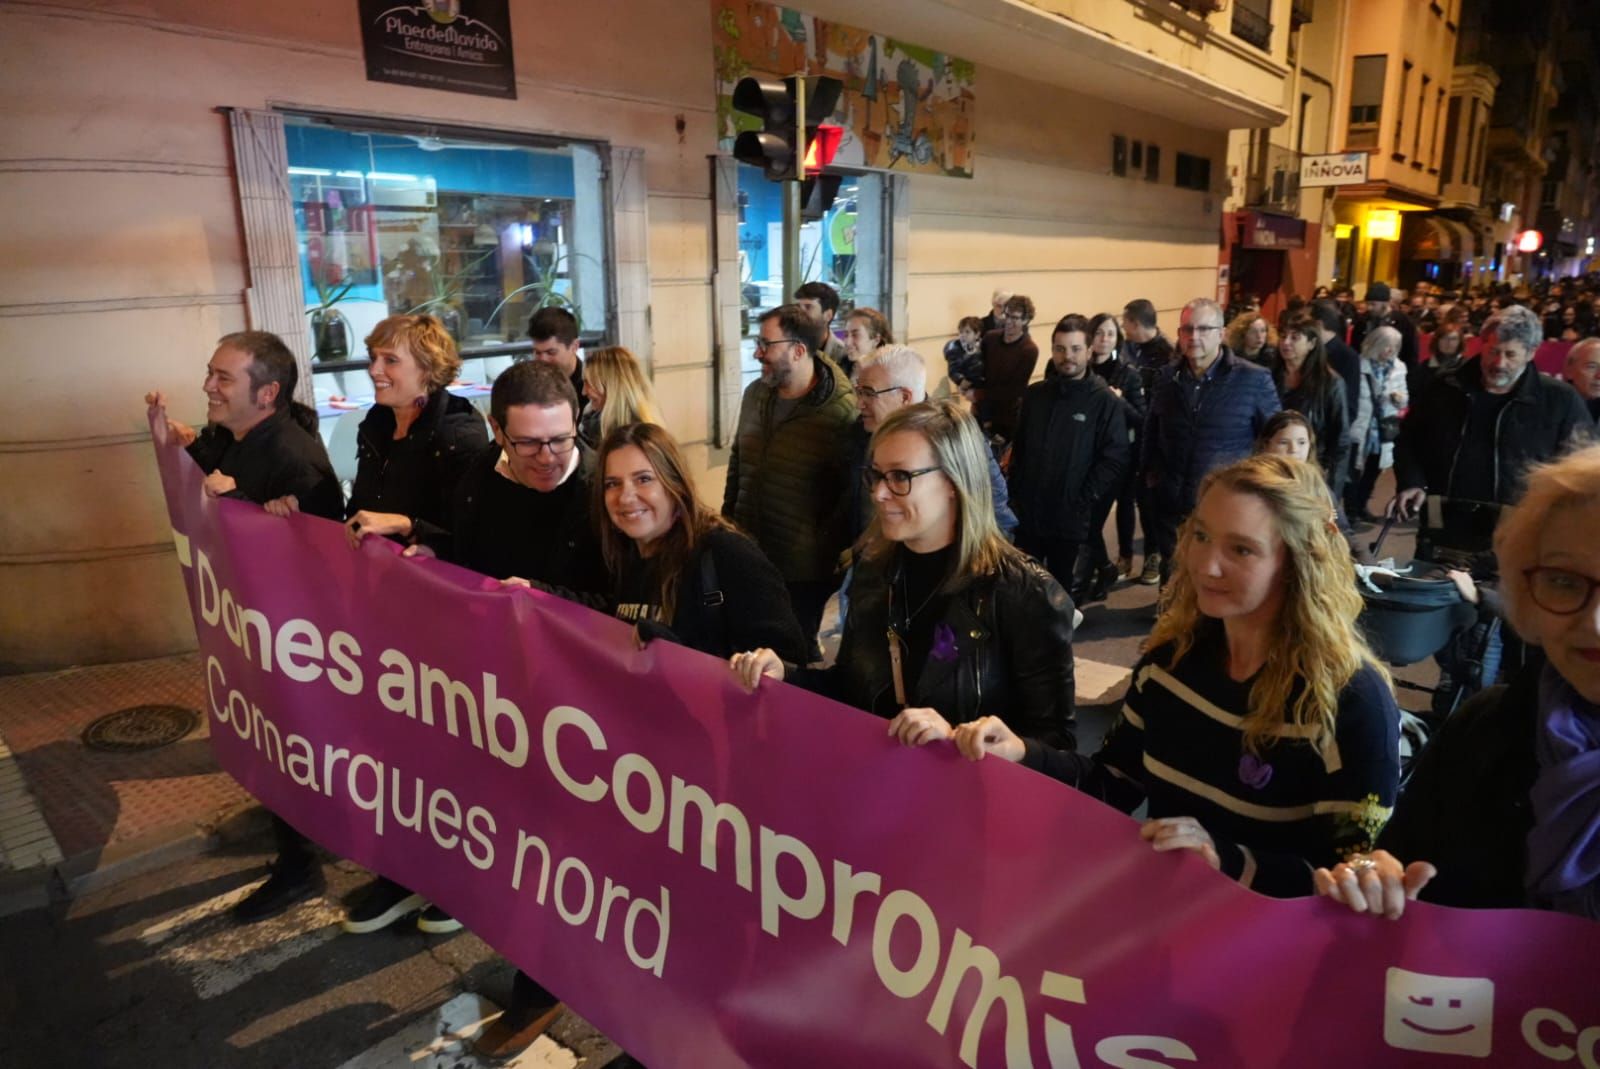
(478, 232)
(848, 249)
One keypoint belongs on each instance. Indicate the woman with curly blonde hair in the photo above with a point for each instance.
(1258, 725)
(1252, 337)
(618, 394)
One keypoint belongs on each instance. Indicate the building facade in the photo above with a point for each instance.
(158, 153)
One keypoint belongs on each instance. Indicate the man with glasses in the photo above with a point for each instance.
(1009, 357)
(1205, 411)
(788, 470)
(521, 511)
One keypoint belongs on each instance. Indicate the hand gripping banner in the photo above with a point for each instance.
(722, 879)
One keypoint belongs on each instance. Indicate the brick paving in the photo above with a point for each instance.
(91, 800)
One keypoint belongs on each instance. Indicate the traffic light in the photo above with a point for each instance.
(793, 143)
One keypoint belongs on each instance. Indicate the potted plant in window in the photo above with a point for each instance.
(330, 330)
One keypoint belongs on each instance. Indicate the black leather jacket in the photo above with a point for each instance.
(1013, 633)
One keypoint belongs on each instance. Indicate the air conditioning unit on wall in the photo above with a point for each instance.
(1202, 7)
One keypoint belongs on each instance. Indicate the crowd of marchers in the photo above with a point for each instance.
(961, 534)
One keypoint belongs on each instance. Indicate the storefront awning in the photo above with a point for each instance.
(1436, 237)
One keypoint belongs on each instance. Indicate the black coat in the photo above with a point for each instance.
(1125, 377)
(1466, 809)
(1070, 456)
(278, 457)
(1346, 362)
(1328, 416)
(737, 603)
(1013, 634)
(416, 475)
(1543, 417)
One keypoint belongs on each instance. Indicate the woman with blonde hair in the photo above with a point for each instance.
(1252, 337)
(618, 394)
(1503, 808)
(1259, 727)
(412, 448)
(947, 621)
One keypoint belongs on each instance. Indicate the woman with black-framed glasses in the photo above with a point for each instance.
(947, 621)
(1503, 809)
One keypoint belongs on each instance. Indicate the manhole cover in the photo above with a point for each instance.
(143, 727)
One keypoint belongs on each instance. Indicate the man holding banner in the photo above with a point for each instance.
(257, 446)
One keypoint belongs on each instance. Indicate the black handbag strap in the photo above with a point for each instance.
(711, 595)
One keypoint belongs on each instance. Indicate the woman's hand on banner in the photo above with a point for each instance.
(282, 506)
(1374, 883)
(217, 484)
(988, 735)
(919, 726)
(383, 524)
(1181, 833)
(751, 665)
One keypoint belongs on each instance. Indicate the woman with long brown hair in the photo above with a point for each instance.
(680, 570)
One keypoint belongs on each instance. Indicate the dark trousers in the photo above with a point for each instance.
(1359, 493)
(809, 600)
(1097, 554)
(1161, 536)
(1058, 555)
(295, 854)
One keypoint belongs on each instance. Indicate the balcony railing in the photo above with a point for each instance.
(1273, 181)
(1251, 26)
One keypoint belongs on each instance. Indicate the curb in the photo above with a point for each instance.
(95, 870)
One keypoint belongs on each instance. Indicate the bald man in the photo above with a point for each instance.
(1583, 371)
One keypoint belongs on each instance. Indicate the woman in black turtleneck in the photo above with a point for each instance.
(947, 621)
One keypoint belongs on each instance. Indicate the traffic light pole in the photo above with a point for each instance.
(791, 197)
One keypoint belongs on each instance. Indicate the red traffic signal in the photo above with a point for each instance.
(821, 147)
(776, 148)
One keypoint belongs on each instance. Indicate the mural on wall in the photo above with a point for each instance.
(904, 107)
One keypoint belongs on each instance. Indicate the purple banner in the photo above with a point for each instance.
(722, 879)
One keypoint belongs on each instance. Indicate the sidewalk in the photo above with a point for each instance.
(73, 818)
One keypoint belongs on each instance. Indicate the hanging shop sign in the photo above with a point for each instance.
(905, 107)
(1263, 231)
(1337, 169)
(460, 46)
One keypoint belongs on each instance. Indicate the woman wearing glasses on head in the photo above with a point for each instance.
(1503, 809)
(947, 621)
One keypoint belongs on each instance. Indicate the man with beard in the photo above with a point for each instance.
(788, 467)
(1381, 312)
(1472, 435)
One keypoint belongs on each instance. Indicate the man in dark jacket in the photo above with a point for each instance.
(1149, 352)
(1205, 412)
(787, 470)
(1069, 456)
(1345, 361)
(1472, 435)
(1583, 373)
(520, 512)
(260, 446)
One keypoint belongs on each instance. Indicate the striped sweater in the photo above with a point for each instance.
(1179, 744)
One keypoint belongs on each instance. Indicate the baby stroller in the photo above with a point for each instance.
(1409, 618)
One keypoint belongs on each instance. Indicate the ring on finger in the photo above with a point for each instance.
(1362, 864)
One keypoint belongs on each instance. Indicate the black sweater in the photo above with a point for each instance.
(502, 529)
(1179, 745)
(738, 603)
(278, 457)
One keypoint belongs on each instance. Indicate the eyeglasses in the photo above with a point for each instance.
(899, 479)
(868, 391)
(1187, 329)
(763, 344)
(1559, 591)
(532, 447)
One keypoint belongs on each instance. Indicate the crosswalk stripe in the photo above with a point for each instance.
(442, 1040)
(1099, 683)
